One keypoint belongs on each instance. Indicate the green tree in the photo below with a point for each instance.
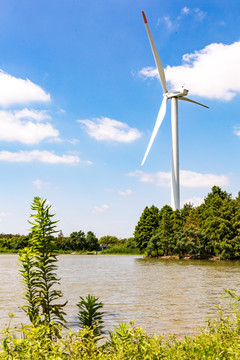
(130, 243)
(176, 221)
(109, 240)
(216, 216)
(146, 226)
(191, 241)
(166, 227)
(77, 241)
(155, 245)
(91, 241)
(226, 232)
(192, 219)
(236, 225)
(187, 208)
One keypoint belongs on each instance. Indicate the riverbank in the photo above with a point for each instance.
(121, 251)
(109, 251)
(188, 257)
(218, 340)
(114, 251)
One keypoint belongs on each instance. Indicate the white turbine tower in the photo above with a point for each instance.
(174, 95)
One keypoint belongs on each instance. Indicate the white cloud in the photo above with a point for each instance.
(105, 129)
(100, 209)
(126, 192)
(37, 155)
(236, 130)
(193, 179)
(149, 72)
(32, 114)
(196, 201)
(168, 22)
(22, 126)
(73, 141)
(87, 162)
(196, 13)
(185, 10)
(199, 15)
(188, 179)
(55, 140)
(159, 179)
(38, 183)
(172, 24)
(19, 91)
(58, 140)
(212, 72)
(4, 214)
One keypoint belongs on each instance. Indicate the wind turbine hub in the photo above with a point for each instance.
(177, 93)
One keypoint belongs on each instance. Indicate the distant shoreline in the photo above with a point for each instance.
(188, 257)
(164, 257)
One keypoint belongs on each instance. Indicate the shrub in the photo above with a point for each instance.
(121, 249)
(89, 315)
(220, 340)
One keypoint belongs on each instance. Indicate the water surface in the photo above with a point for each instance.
(162, 296)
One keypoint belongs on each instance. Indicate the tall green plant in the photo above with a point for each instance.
(39, 269)
(29, 276)
(89, 315)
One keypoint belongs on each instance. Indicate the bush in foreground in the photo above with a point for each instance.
(220, 340)
(90, 314)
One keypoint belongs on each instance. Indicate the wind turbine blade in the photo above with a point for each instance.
(192, 101)
(156, 57)
(159, 120)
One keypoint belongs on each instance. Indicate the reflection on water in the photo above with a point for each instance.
(162, 296)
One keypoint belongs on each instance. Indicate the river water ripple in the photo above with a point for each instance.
(163, 296)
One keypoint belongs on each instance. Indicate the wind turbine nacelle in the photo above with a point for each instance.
(177, 93)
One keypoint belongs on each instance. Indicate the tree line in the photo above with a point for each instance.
(77, 241)
(209, 230)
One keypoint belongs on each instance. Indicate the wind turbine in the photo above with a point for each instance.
(174, 95)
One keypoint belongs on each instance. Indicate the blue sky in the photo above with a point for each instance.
(79, 97)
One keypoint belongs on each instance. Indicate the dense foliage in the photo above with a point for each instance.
(211, 229)
(78, 241)
(219, 340)
(13, 242)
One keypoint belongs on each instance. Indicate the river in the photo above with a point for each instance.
(163, 296)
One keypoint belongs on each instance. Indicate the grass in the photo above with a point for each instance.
(8, 251)
(121, 250)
